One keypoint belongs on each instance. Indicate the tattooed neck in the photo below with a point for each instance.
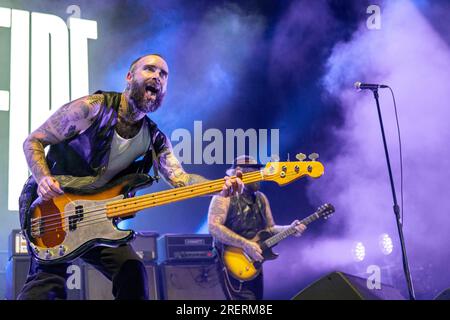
(128, 111)
(129, 118)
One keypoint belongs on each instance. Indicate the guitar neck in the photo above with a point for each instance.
(289, 231)
(125, 207)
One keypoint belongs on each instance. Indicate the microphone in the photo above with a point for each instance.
(361, 86)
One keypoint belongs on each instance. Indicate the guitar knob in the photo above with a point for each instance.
(313, 156)
(61, 250)
(48, 254)
(300, 156)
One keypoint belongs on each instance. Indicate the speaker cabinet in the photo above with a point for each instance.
(17, 271)
(341, 286)
(195, 281)
(145, 245)
(98, 287)
(444, 295)
(16, 275)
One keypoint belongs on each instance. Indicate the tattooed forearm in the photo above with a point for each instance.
(35, 156)
(173, 172)
(195, 178)
(225, 235)
(217, 214)
(277, 229)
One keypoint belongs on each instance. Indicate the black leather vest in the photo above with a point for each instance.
(87, 154)
(246, 216)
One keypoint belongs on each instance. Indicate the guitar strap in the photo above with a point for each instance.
(152, 154)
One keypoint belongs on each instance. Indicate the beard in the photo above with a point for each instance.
(253, 187)
(143, 99)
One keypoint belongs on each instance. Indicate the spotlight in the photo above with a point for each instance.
(385, 243)
(359, 251)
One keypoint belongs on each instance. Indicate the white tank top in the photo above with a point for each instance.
(123, 153)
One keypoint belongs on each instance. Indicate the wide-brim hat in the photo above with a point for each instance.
(244, 162)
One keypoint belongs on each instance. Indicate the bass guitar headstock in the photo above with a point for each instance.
(289, 171)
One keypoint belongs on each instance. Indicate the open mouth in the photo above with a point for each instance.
(151, 89)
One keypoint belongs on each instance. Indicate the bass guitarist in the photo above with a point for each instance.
(94, 140)
(233, 221)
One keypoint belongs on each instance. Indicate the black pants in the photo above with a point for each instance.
(120, 265)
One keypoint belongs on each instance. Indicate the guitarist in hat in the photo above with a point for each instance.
(234, 220)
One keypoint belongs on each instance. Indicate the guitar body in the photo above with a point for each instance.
(65, 227)
(240, 265)
(243, 268)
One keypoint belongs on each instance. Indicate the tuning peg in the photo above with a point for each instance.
(313, 156)
(300, 156)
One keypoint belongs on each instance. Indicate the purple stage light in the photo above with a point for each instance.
(359, 251)
(385, 243)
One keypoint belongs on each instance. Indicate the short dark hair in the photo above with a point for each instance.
(145, 55)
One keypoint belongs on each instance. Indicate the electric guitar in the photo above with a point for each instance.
(65, 227)
(243, 268)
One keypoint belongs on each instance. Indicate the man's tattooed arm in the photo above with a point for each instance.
(271, 226)
(173, 173)
(66, 122)
(217, 214)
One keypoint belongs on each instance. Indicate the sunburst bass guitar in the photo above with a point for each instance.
(243, 268)
(65, 227)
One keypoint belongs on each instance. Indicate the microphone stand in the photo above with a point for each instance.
(396, 207)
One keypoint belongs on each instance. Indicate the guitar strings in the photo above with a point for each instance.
(155, 196)
(144, 198)
(86, 222)
(270, 242)
(143, 201)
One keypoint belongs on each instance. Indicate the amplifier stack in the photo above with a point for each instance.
(188, 268)
(179, 266)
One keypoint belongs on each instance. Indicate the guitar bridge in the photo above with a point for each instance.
(36, 227)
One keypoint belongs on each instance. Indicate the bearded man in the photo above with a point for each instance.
(94, 140)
